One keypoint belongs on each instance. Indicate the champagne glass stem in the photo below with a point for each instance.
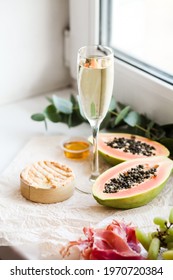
(95, 163)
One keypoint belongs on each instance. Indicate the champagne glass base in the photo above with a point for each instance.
(87, 187)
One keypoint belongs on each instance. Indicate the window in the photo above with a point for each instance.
(140, 31)
(133, 85)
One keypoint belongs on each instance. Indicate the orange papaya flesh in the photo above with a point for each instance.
(127, 186)
(119, 147)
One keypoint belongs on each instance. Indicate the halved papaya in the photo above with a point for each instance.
(132, 183)
(118, 147)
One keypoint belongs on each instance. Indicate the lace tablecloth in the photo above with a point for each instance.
(48, 227)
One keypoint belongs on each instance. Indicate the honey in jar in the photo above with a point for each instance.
(76, 148)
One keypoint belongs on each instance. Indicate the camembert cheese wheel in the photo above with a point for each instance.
(47, 182)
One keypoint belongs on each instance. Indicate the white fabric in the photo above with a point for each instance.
(47, 227)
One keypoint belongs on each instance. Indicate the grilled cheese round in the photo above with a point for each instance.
(47, 182)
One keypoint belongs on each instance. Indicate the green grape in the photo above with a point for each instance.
(143, 238)
(154, 234)
(160, 222)
(167, 255)
(153, 250)
(168, 238)
(149, 236)
(170, 245)
(170, 231)
(171, 216)
(163, 228)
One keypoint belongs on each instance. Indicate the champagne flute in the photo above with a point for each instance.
(95, 75)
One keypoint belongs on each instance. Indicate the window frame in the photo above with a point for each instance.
(105, 38)
(132, 85)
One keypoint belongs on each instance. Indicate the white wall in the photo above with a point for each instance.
(31, 47)
(84, 28)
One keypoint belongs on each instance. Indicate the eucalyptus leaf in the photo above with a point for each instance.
(52, 114)
(122, 114)
(80, 106)
(150, 125)
(39, 117)
(63, 105)
(148, 130)
(168, 142)
(125, 128)
(120, 107)
(64, 118)
(77, 117)
(75, 120)
(132, 118)
(158, 134)
(105, 121)
(168, 128)
(73, 100)
(49, 99)
(113, 104)
(120, 118)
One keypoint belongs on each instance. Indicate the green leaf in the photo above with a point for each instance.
(105, 121)
(69, 120)
(168, 142)
(80, 107)
(63, 105)
(168, 128)
(64, 118)
(150, 125)
(148, 130)
(73, 100)
(49, 99)
(52, 114)
(120, 106)
(157, 134)
(93, 109)
(122, 114)
(77, 114)
(39, 117)
(132, 118)
(113, 104)
(119, 118)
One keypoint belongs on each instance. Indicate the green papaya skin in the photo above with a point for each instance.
(134, 196)
(114, 155)
(131, 202)
(110, 160)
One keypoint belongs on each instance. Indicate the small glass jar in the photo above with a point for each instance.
(76, 148)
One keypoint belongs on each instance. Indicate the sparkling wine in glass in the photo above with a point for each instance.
(95, 75)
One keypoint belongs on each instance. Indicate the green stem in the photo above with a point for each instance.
(137, 126)
(45, 124)
(113, 113)
(141, 128)
(75, 107)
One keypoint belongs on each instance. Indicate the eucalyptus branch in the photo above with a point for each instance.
(120, 117)
(136, 125)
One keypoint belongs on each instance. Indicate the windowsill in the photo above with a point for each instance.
(17, 128)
